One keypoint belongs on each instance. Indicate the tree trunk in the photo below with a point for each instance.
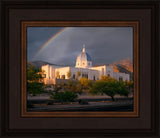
(112, 98)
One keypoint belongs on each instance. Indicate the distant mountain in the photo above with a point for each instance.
(38, 64)
(124, 66)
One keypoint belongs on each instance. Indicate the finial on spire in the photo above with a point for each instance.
(83, 47)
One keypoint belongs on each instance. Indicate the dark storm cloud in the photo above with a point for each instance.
(104, 44)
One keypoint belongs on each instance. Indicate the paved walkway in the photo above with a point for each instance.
(90, 106)
(46, 97)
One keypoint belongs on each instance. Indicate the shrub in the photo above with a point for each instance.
(33, 73)
(73, 86)
(49, 102)
(78, 74)
(30, 105)
(85, 83)
(35, 88)
(64, 96)
(83, 102)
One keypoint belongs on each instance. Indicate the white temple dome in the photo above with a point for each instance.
(83, 59)
(83, 56)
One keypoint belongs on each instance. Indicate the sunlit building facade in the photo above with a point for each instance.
(83, 68)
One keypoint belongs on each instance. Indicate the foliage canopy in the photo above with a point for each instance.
(33, 73)
(85, 83)
(64, 96)
(33, 77)
(35, 88)
(110, 87)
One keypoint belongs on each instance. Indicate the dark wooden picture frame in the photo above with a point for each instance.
(16, 11)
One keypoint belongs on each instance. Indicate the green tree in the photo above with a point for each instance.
(73, 86)
(64, 96)
(57, 88)
(129, 85)
(107, 78)
(78, 74)
(110, 88)
(35, 88)
(33, 73)
(85, 83)
(122, 90)
(69, 74)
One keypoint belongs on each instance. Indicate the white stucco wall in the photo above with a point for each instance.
(100, 69)
(109, 71)
(83, 64)
(92, 73)
(63, 71)
(104, 70)
(124, 76)
(49, 71)
(45, 68)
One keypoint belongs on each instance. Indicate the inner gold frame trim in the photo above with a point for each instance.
(25, 24)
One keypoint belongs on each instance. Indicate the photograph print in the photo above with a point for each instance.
(80, 69)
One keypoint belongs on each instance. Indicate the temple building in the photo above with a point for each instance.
(83, 68)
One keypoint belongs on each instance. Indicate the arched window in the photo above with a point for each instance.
(94, 78)
(102, 71)
(120, 79)
(85, 75)
(74, 76)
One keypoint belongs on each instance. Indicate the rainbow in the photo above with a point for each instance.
(50, 40)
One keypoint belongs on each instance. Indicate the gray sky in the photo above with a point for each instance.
(105, 45)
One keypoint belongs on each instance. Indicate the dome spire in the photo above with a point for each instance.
(83, 48)
(83, 59)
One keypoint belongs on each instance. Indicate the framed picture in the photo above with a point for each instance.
(80, 68)
(84, 81)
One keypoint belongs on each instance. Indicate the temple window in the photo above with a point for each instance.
(120, 79)
(74, 76)
(94, 78)
(85, 75)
